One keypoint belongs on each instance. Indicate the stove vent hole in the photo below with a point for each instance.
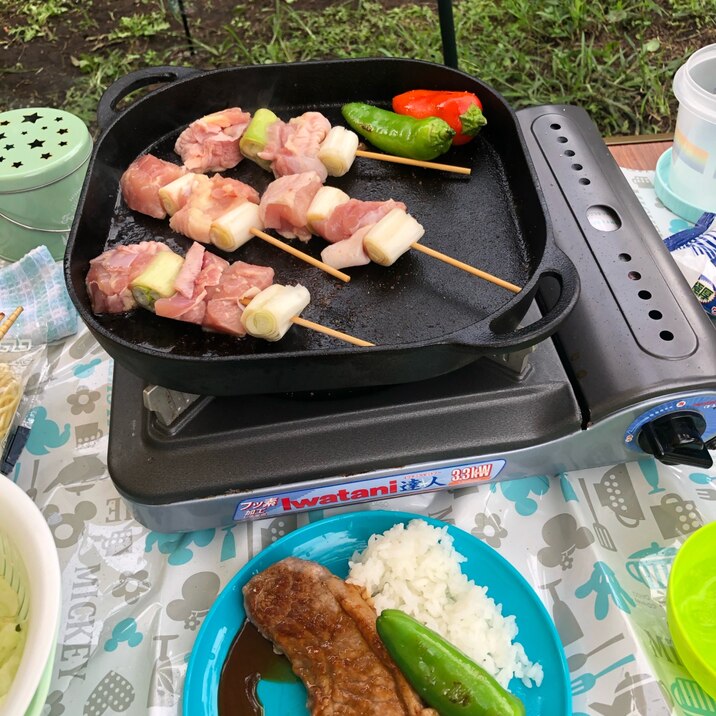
(577, 167)
(666, 336)
(656, 315)
(568, 152)
(555, 126)
(624, 257)
(644, 295)
(562, 140)
(634, 275)
(584, 181)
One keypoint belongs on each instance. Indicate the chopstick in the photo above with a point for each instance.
(413, 162)
(5, 327)
(300, 255)
(320, 328)
(466, 267)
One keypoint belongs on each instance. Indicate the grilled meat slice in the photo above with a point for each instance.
(327, 630)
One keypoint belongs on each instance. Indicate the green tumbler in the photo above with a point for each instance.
(44, 155)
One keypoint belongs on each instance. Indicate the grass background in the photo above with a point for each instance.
(616, 59)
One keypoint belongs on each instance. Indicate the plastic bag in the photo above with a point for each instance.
(694, 250)
(18, 359)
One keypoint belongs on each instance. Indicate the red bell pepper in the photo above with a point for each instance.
(461, 110)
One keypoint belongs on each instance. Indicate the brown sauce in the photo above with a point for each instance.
(251, 658)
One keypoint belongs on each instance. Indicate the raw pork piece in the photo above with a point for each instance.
(349, 252)
(209, 199)
(224, 307)
(211, 144)
(327, 630)
(143, 179)
(110, 273)
(292, 147)
(347, 218)
(284, 204)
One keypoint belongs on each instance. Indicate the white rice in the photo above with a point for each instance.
(416, 569)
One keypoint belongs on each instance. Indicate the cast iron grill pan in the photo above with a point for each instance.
(426, 318)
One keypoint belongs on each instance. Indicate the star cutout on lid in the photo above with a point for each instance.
(35, 143)
(61, 131)
(62, 144)
(9, 146)
(2, 136)
(23, 133)
(46, 155)
(58, 119)
(32, 118)
(2, 159)
(16, 165)
(4, 123)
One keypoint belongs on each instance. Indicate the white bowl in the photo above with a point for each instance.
(28, 554)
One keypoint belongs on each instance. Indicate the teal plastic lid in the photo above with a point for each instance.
(669, 198)
(39, 146)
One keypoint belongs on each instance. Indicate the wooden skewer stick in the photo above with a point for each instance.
(466, 267)
(319, 328)
(413, 162)
(5, 327)
(301, 255)
(330, 332)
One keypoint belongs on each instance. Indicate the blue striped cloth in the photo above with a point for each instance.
(35, 282)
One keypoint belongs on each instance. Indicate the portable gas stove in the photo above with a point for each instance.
(631, 372)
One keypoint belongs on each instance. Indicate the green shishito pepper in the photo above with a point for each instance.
(442, 675)
(399, 134)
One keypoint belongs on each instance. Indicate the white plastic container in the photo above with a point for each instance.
(693, 158)
(29, 563)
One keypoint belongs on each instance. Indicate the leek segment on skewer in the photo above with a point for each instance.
(271, 312)
(157, 280)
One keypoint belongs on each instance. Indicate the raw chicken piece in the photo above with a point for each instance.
(349, 252)
(212, 268)
(211, 144)
(347, 218)
(143, 179)
(111, 272)
(292, 147)
(224, 308)
(181, 308)
(189, 272)
(209, 199)
(284, 204)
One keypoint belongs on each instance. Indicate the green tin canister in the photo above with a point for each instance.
(44, 154)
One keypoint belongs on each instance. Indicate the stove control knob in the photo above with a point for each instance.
(677, 439)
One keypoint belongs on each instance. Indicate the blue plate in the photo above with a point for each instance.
(332, 542)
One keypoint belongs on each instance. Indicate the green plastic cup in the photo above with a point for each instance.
(691, 606)
(44, 155)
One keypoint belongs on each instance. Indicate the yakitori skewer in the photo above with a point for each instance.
(268, 314)
(466, 267)
(300, 254)
(413, 162)
(236, 227)
(5, 327)
(397, 232)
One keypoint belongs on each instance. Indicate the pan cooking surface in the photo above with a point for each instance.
(418, 299)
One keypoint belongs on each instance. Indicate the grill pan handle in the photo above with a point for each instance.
(556, 265)
(106, 110)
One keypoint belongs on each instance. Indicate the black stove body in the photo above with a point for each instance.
(631, 372)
